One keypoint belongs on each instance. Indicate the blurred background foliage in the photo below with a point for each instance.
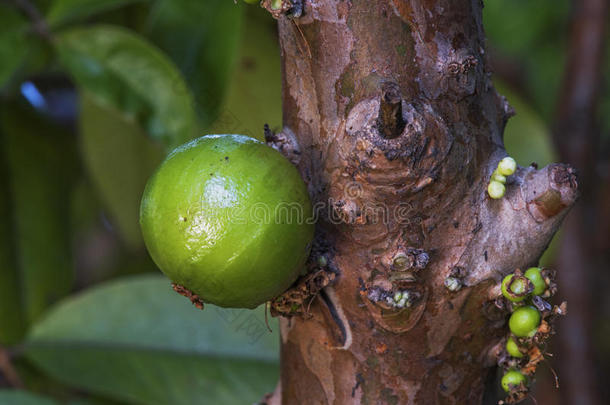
(93, 94)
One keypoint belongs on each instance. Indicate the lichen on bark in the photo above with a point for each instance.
(399, 129)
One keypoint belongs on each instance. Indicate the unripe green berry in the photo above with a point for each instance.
(496, 176)
(513, 348)
(515, 289)
(453, 284)
(507, 166)
(534, 275)
(276, 4)
(511, 379)
(496, 189)
(524, 321)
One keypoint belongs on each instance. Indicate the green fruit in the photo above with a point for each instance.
(512, 378)
(513, 348)
(495, 176)
(524, 321)
(507, 166)
(534, 275)
(229, 218)
(515, 289)
(495, 189)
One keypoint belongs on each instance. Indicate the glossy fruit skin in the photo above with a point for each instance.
(518, 288)
(512, 378)
(216, 218)
(534, 275)
(513, 348)
(524, 321)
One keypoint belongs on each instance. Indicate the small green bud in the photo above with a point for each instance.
(496, 189)
(400, 261)
(513, 348)
(397, 296)
(515, 289)
(524, 321)
(496, 176)
(534, 275)
(276, 4)
(511, 379)
(507, 166)
(453, 284)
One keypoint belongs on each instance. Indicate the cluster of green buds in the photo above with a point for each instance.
(524, 291)
(496, 187)
(400, 299)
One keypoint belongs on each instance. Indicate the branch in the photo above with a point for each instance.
(514, 231)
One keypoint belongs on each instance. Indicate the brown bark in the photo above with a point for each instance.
(399, 129)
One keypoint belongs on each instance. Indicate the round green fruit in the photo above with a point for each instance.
(507, 166)
(515, 289)
(496, 190)
(513, 348)
(534, 275)
(229, 218)
(496, 176)
(524, 321)
(512, 378)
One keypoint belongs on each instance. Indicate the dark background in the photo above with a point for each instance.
(93, 93)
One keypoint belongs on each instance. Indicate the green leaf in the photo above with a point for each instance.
(16, 397)
(40, 157)
(255, 94)
(62, 11)
(123, 70)
(13, 42)
(137, 340)
(202, 38)
(120, 159)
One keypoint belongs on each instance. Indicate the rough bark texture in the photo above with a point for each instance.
(399, 129)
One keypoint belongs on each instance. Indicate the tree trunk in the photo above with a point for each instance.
(399, 129)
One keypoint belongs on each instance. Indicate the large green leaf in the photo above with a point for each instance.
(121, 69)
(13, 41)
(69, 10)
(16, 397)
(137, 340)
(202, 38)
(255, 92)
(119, 158)
(41, 162)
